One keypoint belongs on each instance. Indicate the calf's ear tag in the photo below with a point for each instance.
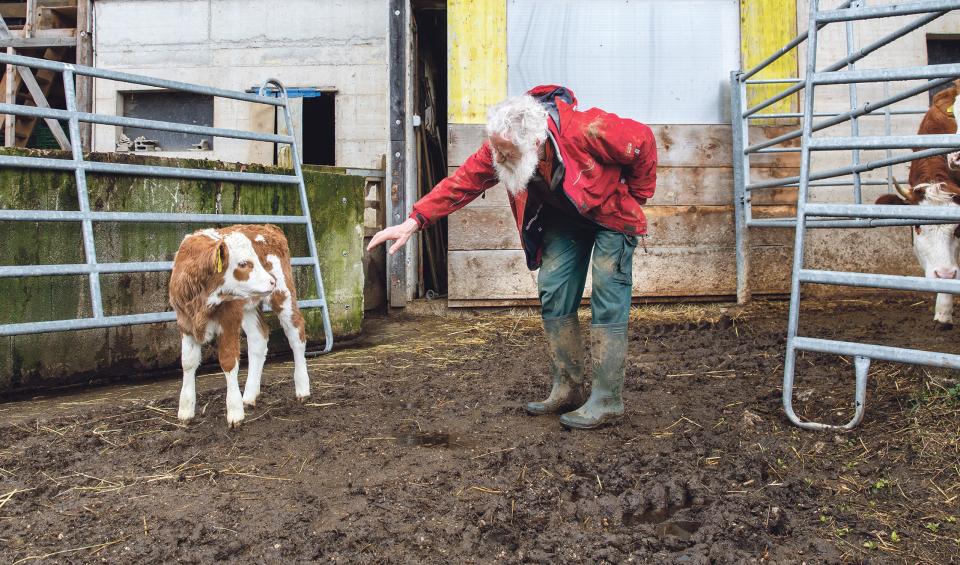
(219, 259)
(950, 110)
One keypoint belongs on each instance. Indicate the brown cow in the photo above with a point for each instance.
(935, 181)
(220, 280)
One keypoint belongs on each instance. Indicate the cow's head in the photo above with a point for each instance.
(936, 245)
(243, 273)
(948, 104)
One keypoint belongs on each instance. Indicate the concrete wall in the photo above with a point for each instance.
(42, 360)
(237, 44)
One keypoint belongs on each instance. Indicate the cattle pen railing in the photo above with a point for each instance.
(86, 217)
(850, 215)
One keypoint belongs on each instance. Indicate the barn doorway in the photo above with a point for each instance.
(319, 129)
(429, 45)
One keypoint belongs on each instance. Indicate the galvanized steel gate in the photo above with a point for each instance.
(855, 215)
(92, 268)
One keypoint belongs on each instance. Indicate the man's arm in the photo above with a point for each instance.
(473, 177)
(612, 139)
(452, 193)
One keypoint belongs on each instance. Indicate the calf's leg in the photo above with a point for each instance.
(256, 354)
(229, 343)
(291, 320)
(190, 359)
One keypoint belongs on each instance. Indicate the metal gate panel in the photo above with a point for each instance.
(86, 217)
(851, 215)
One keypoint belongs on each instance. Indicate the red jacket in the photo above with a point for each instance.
(610, 171)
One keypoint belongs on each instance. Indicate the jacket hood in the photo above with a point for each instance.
(548, 93)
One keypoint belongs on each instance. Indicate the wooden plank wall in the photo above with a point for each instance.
(690, 248)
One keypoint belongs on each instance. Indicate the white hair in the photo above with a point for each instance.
(520, 119)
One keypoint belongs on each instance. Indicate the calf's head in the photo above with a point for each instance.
(936, 245)
(243, 273)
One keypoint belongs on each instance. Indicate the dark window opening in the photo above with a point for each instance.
(319, 130)
(942, 50)
(178, 107)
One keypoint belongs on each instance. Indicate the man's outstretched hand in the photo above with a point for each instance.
(400, 233)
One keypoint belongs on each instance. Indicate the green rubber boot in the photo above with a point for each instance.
(608, 343)
(566, 351)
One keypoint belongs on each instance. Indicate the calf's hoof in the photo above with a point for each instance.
(249, 403)
(234, 418)
(942, 326)
(301, 398)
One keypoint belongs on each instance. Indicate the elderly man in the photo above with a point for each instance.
(576, 181)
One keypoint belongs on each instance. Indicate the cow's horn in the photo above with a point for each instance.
(903, 192)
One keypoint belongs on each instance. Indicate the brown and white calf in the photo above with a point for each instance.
(220, 280)
(935, 181)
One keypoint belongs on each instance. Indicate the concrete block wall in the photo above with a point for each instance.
(237, 44)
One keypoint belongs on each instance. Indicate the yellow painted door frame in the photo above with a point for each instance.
(765, 27)
(476, 58)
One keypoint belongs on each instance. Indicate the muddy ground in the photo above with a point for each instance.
(414, 447)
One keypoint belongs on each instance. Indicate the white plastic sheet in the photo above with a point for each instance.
(656, 61)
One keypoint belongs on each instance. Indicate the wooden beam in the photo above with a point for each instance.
(18, 10)
(37, 42)
(397, 45)
(48, 33)
(85, 57)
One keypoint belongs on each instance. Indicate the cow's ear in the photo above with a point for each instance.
(890, 199)
(220, 258)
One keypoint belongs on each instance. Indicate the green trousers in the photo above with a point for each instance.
(563, 274)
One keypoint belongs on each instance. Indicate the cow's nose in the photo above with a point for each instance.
(950, 273)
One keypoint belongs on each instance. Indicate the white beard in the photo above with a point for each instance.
(516, 175)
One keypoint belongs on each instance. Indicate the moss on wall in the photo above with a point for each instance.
(43, 360)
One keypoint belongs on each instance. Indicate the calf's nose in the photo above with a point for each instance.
(950, 273)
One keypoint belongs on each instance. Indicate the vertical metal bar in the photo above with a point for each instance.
(789, 365)
(305, 209)
(886, 132)
(411, 177)
(741, 175)
(854, 126)
(10, 96)
(396, 205)
(83, 197)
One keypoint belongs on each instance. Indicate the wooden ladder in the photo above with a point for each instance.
(51, 25)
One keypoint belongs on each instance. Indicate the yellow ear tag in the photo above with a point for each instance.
(950, 110)
(219, 260)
